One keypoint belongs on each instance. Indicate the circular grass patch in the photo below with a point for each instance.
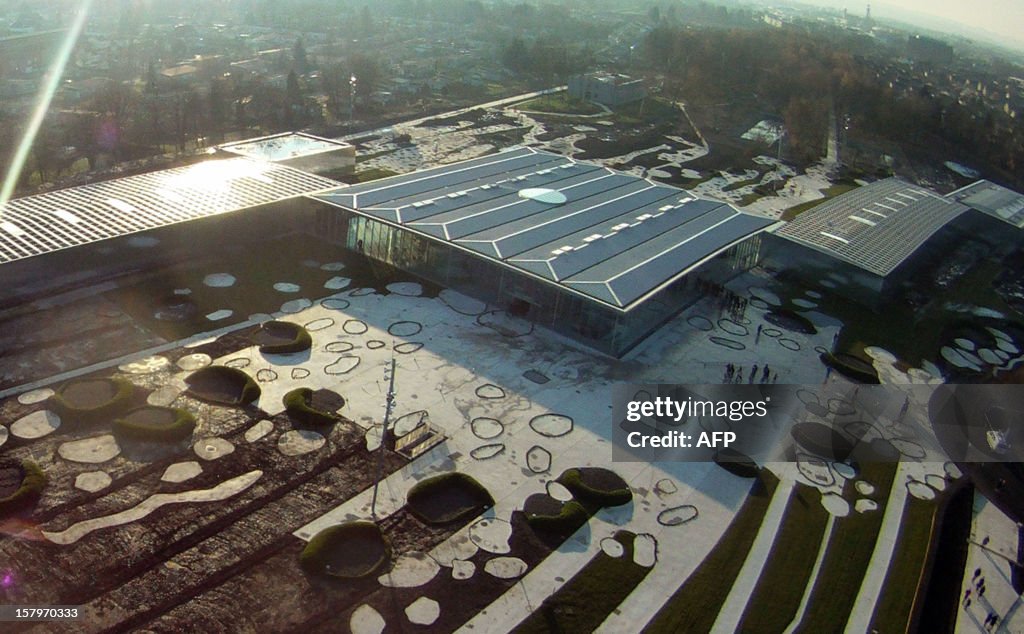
(736, 463)
(822, 440)
(851, 367)
(92, 400)
(449, 497)
(222, 385)
(282, 337)
(154, 423)
(21, 485)
(597, 486)
(553, 518)
(298, 404)
(353, 550)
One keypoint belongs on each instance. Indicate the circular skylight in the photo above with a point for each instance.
(543, 195)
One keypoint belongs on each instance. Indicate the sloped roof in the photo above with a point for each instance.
(611, 237)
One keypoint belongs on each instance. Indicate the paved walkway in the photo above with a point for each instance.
(993, 561)
(681, 549)
(757, 559)
(874, 577)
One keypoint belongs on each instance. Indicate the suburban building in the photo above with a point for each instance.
(607, 88)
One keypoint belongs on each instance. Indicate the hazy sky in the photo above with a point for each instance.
(1004, 18)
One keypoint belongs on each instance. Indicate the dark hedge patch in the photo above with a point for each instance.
(597, 486)
(352, 550)
(27, 481)
(222, 385)
(298, 405)
(92, 400)
(154, 423)
(282, 337)
(449, 497)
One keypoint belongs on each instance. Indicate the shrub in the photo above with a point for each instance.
(851, 367)
(283, 337)
(296, 403)
(222, 385)
(597, 486)
(77, 399)
(449, 497)
(33, 481)
(178, 425)
(736, 463)
(352, 550)
(566, 522)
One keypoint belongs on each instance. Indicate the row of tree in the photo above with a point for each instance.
(799, 76)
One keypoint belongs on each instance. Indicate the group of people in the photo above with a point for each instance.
(979, 586)
(734, 374)
(728, 301)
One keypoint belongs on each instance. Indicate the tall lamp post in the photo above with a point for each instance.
(351, 98)
(389, 404)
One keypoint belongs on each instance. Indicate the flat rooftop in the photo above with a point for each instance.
(875, 227)
(67, 218)
(611, 237)
(995, 200)
(283, 147)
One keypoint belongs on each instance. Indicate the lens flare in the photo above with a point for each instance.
(49, 89)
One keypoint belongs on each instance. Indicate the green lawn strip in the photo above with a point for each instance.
(651, 109)
(905, 579)
(776, 598)
(586, 600)
(748, 199)
(373, 174)
(560, 103)
(695, 605)
(849, 552)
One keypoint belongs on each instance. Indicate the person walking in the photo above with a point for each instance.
(765, 373)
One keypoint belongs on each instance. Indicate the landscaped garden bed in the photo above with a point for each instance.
(736, 463)
(851, 367)
(222, 385)
(282, 337)
(447, 498)
(93, 399)
(156, 424)
(351, 550)
(822, 440)
(596, 486)
(299, 405)
(21, 485)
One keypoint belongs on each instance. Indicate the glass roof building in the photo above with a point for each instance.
(68, 225)
(601, 256)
